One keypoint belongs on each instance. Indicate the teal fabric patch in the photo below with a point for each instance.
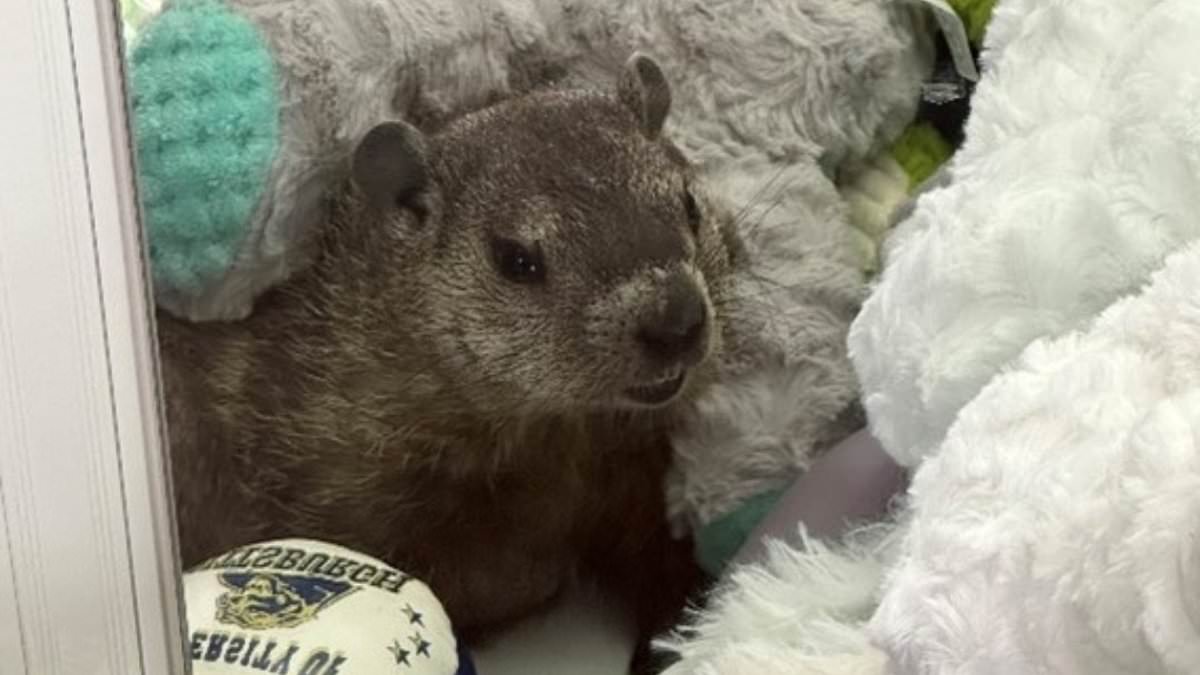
(205, 110)
(720, 540)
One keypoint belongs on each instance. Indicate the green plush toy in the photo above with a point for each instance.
(245, 114)
(206, 114)
(975, 14)
(878, 188)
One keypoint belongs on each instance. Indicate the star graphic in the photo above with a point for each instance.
(414, 617)
(421, 644)
(399, 652)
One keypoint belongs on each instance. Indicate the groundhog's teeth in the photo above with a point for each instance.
(671, 376)
(661, 390)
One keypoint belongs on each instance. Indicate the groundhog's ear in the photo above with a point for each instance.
(391, 165)
(643, 88)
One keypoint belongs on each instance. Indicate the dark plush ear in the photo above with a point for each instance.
(643, 88)
(391, 165)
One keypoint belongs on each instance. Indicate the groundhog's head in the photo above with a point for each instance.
(564, 254)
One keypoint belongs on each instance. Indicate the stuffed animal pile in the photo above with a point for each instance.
(799, 113)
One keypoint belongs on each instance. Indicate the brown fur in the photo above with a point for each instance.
(403, 399)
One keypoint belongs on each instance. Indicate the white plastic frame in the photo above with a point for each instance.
(89, 579)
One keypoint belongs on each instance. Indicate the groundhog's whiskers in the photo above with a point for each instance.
(753, 201)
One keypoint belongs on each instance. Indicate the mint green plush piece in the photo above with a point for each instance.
(205, 110)
(720, 540)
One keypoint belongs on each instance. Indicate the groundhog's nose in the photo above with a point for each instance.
(675, 332)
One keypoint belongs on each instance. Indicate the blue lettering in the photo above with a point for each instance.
(250, 652)
(392, 581)
(359, 577)
(216, 644)
(290, 559)
(198, 645)
(384, 576)
(264, 660)
(314, 563)
(235, 649)
(267, 556)
(337, 568)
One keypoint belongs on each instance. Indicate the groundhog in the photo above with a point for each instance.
(476, 379)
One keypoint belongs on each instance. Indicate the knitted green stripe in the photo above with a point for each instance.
(205, 114)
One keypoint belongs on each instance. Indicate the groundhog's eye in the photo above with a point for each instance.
(517, 262)
(692, 209)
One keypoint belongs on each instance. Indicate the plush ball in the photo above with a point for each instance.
(205, 113)
(304, 607)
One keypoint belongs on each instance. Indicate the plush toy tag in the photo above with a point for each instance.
(302, 607)
(955, 33)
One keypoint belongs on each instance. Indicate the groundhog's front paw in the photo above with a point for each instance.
(659, 592)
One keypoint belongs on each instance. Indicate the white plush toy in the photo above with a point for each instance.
(303, 607)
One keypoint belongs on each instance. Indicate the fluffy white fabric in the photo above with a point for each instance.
(1057, 529)
(1054, 529)
(796, 613)
(1077, 177)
